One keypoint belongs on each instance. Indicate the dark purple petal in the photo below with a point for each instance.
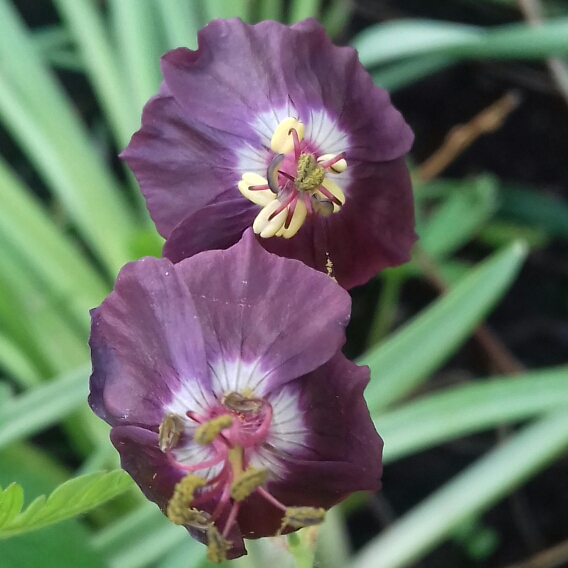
(322, 76)
(180, 163)
(257, 307)
(145, 339)
(156, 477)
(343, 452)
(373, 230)
(214, 227)
(234, 75)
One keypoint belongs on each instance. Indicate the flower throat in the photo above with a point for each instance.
(297, 183)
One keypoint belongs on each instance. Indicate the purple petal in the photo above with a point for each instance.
(257, 309)
(322, 76)
(217, 226)
(234, 75)
(145, 340)
(343, 452)
(180, 163)
(373, 230)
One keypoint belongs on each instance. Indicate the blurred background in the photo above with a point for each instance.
(467, 343)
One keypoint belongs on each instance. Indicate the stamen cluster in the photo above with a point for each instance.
(239, 426)
(296, 185)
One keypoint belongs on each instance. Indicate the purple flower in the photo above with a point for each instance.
(275, 127)
(230, 402)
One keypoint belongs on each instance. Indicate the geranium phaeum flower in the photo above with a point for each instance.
(275, 127)
(230, 402)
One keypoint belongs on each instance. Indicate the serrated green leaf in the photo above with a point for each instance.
(11, 501)
(72, 498)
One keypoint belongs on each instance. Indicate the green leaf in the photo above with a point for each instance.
(17, 364)
(406, 358)
(537, 208)
(402, 73)
(11, 502)
(40, 117)
(56, 546)
(43, 406)
(100, 57)
(469, 494)
(468, 206)
(51, 334)
(25, 224)
(181, 20)
(72, 498)
(462, 410)
(226, 9)
(301, 9)
(408, 38)
(136, 34)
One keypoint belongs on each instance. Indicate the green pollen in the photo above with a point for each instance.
(310, 173)
(179, 511)
(247, 482)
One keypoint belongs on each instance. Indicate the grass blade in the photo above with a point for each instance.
(43, 406)
(462, 410)
(405, 359)
(481, 485)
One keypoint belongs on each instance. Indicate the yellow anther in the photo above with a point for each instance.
(239, 403)
(299, 517)
(217, 546)
(338, 167)
(298, 218)
(310, 173)
(170, 431)
(266, 227)
(179, 511)
(247, 482)
(329, 267)
(209, 430)
(282, 141)
(336, 191)
(260, 197)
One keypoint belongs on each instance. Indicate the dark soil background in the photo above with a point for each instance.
(532, 149)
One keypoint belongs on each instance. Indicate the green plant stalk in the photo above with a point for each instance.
(102, 66)
(301, 9)
(301, 549)
(408, 38)
(30, 413)
(26, 225)
(136, 35)
(470, 493)
(181, 20)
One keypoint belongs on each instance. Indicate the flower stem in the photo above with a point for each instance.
(302, 547)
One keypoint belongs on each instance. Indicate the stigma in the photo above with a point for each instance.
(230, 434)
(297, 185)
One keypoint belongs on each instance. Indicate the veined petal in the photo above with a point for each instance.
(145, 342)
(250, 311)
